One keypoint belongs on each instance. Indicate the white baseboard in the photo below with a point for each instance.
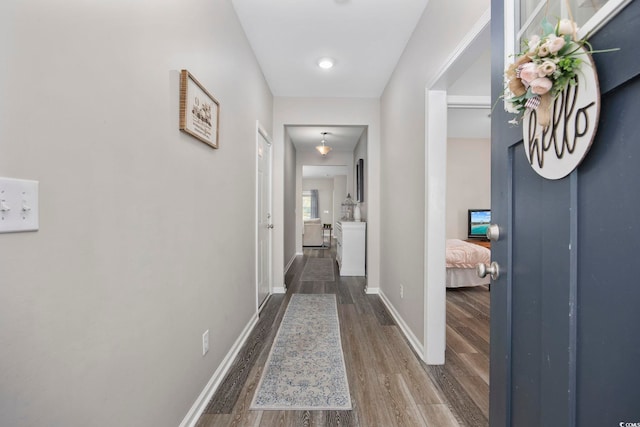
(201, 402)
(288, 266)
(279, 290)
(415, 343)
(370, 290)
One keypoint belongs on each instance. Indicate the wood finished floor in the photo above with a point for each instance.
(389, 385)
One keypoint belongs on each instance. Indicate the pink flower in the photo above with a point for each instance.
(546, 68)
(567, 27)
(554, 44)
(541, 85)
(543, 50)
(529, 72)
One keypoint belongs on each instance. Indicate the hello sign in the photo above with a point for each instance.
(555, 151)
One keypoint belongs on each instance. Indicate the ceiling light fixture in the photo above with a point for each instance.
(323, 149)
(325, 63)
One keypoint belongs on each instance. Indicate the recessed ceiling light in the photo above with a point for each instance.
(325, 63)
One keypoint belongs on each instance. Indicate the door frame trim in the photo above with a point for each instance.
(262, 133)
(436, 105)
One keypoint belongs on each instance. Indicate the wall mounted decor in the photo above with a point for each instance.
(556, 149)
(360, 181)
(199, 110)
(552, 87)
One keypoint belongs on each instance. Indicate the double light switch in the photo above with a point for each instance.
(18, 205)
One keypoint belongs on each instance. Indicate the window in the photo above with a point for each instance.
(309, 204)
(532, 12)
(523, 18)
(306, 205)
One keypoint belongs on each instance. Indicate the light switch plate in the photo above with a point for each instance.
(18, 205)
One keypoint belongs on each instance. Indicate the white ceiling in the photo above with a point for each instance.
(365, 37)
(339, 138)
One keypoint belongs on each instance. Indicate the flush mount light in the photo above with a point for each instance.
(323, 149)
(325, 63)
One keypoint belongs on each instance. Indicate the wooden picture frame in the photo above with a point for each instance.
(199, 110)
(360, 181)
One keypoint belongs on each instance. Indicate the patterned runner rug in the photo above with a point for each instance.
(318, 270)
(305, 369)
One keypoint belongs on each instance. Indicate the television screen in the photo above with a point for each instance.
(479, 221)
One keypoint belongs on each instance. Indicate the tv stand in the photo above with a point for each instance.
(483, 243)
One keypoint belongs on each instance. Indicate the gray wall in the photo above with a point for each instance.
(337, 112)
(289, 213)
(468, 182)
(147, 236)
(325, 196)
(339, 196)
(402, 157)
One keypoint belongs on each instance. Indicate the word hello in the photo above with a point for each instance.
(570, 125)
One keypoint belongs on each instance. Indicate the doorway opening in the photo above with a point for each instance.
(473, 46)
(332, 176)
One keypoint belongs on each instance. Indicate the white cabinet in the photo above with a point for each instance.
(351, 247)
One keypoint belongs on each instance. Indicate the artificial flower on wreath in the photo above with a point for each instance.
(544, 70)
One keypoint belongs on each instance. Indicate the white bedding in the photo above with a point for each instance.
(459, 277)
(462, 258)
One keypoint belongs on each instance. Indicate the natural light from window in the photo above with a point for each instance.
(306, 205)
(588, 13)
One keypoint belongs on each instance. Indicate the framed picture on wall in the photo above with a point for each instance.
(199, 110)
(360, 181)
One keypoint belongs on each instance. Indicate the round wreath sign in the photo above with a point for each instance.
(556, 148)
(553, 89)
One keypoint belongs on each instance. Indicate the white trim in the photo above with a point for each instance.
(599, 19)
(509, 32)
(372, 291)
(262, 133)
(436, 104)
(602, 17)
(205, 396)
(288, 266)
(435, 312)
(478, 35)
(479, 102)
(413, 340)
(264, 303)
(279, 290)
(532, 17)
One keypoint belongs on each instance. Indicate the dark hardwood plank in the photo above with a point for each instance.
(262, 335)
(416, 378)
(380, 311)
(389, 384)
(464, 409)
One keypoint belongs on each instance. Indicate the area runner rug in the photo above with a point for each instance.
(305, 369)
(318, 270)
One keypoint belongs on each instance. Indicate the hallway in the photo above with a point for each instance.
(389, 385)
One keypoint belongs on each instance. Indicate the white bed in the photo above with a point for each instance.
(462, 258)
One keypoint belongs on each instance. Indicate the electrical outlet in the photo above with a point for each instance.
(401, 291)
(205, 342)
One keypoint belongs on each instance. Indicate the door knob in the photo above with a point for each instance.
(493, 270)
(270, 226)
(493, 232)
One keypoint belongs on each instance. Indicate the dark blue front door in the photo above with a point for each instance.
(565, 312)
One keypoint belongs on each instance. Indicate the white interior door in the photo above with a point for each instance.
(264, 220)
